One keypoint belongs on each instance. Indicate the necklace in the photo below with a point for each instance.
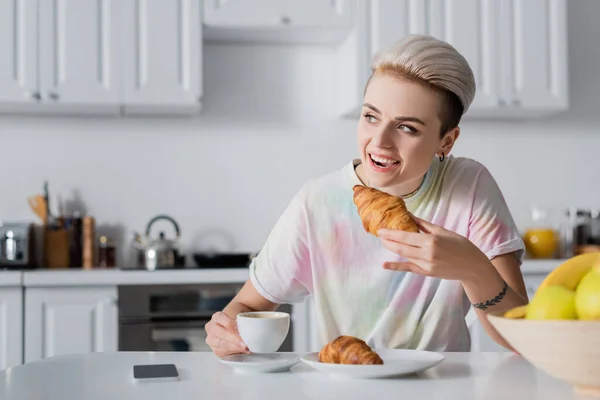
(411, 194)
(368, 184)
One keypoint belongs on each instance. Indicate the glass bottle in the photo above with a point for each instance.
(541, 238)
(106, 253)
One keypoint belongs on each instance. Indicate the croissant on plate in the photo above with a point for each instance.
(348, 350)
(380, 210)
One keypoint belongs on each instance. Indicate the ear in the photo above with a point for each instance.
(448, 140)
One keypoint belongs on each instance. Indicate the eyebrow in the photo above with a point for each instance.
(412, 119)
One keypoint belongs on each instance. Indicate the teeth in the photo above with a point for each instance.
(385, 161)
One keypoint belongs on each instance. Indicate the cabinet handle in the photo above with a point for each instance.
(501, 102)
(35, 95)
(516, 102)
(285, 20)
(53, 95)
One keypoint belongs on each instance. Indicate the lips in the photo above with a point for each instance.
(380, 163)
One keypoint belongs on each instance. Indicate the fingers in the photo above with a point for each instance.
(410, 238)
(222, 336)
(222, 347)
(426, 226)
(405, 266)
(226, 321)
(411, 252)
(228, 338)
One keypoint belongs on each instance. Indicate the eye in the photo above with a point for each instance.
(370, 117)
(408, 129)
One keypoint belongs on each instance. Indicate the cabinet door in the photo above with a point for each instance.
(79, 51)
(393, 19)
(70, 320)
(535, 53)
(469, 25)
(18, 51)
(268, 13)
(11, 332)
(472, 27)
(162, 52)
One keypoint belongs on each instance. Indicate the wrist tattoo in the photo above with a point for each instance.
(494, 301)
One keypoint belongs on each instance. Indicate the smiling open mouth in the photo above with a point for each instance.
(382, 162)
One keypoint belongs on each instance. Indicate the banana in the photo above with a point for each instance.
(569, 273)
(516, 313)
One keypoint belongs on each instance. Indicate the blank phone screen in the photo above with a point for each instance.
(154, 371)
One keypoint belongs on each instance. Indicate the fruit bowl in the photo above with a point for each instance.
(567, 350)
(559, 330)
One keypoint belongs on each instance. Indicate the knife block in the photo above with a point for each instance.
(56, 247)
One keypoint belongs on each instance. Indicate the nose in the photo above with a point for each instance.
(382, 137)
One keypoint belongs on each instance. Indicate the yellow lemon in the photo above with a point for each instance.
(551, 303)
(587, 296)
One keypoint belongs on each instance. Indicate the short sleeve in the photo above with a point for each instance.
(281, 272)
(491, 225)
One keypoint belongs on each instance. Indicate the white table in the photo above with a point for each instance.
(110, 376)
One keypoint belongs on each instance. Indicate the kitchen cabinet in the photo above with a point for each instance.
(100, 56)
(59, 56)
(162, 55)
(535, 54)
(67, 320)
(518, 74)
(79, 60)
(305, 21)
(18, 53)
(11, 327)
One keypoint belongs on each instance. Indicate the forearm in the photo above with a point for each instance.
(487, 284)
(235, 307)
(248, 300)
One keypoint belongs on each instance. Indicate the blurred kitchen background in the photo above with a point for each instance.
(211, 115)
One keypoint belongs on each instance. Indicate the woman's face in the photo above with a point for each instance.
(399, 133)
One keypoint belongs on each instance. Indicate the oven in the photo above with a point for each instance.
(173, 317)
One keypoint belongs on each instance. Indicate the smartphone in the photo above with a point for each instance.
(155, 372)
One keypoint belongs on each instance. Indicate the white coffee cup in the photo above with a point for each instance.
(263, 331)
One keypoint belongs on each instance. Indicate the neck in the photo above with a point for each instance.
(403, 189)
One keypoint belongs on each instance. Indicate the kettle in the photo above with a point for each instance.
(160, 252)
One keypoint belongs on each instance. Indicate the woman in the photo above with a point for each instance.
(400, 289)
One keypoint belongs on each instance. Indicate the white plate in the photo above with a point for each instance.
(261, 363)
(396, 362)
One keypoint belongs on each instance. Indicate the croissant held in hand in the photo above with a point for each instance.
(380, 210)
(348, 350)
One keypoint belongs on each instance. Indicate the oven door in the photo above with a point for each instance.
(174, 335)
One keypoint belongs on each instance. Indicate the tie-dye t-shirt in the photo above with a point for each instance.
(319, 248)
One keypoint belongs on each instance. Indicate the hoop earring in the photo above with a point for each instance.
(442, 157)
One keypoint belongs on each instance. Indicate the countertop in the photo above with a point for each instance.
(95, 376)
(106, 277)
(10, 278)
(115, 276)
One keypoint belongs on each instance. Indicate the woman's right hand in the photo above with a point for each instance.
(223, 336)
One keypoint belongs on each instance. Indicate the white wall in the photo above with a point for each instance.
(262, 135)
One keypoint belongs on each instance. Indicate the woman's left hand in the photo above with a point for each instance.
(434, 252)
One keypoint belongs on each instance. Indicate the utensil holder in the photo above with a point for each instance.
(56, 247)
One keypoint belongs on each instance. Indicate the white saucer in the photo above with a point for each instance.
(261, 363)
(396, 362)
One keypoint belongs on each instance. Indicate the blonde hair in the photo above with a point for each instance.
(431, 61)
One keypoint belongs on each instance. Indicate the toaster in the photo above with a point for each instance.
(17, 245)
